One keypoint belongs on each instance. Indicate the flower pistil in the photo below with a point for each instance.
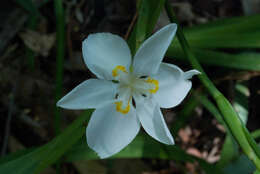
(130, 84)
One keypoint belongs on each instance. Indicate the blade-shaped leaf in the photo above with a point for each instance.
(230, 117)
(245, 61)
(224, 27)
(40, 158)
(148, 14)
(242, 165)
(143, 146)
(29, 6)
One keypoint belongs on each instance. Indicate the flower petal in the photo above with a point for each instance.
(173, 85)
(153, 122)
(102, 52)
(93, 93)
(188, 74)
(109, 131)
(151, 52)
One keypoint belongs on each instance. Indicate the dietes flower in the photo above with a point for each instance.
(128, 93)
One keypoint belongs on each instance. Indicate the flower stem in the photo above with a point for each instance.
(30, 55)
(59, 57)
(230, 116)
(130, 28)
(60, 21)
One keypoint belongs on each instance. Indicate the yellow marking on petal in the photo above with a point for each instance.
(155, 83)
(122, 110)
(118, 68)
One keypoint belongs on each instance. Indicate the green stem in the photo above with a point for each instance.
(229, 115)
(60, 20)
(59, 57)
(30, 53)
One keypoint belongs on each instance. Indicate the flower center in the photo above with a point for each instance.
(132, 87)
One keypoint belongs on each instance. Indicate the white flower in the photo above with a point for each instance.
(128, 93)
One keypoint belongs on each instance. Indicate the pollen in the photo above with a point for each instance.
(120, 109)
(118, 68)
(155, 84)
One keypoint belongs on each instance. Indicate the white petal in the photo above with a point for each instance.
(173, 87)
(93, 93)
(190, 73)
(153, 122)
(102, 52)
(151, 52)
(109, 131)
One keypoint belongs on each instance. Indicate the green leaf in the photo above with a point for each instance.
(251, 141)
(233, 40)
(229, 152)
(242, 165)
(42, 157)
(29, 6)
(230, 149)
(244, 61)
(239, 32)
(148, 14)
(224, 27)
(241, 102)
(238, 129)
(241, 40)
(15, 155)
(210, 107)
(257, 172)
(256, 134)
(143, 146)
(229, 115)
(184, 115)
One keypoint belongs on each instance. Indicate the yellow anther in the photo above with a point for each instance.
(122, 110)
(118, 68)
(155, 83)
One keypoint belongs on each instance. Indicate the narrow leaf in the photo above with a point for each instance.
(143, 146)
(244, 61)
(29, 6)
(148, 14)
(42, 157)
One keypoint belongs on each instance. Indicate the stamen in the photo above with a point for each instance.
(155, 83)
(143, 77)
(133, 101)
(118, 68)
(122, 110)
